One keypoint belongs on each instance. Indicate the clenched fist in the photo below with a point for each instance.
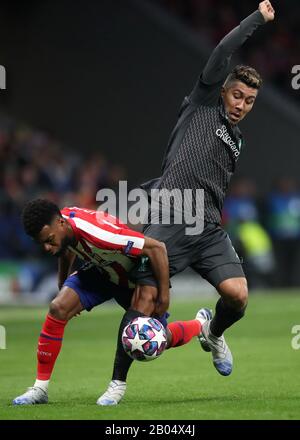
(267, 10)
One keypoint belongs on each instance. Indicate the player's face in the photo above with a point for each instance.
(238, 100)
(55, 238)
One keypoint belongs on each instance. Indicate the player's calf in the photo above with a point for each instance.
(231, 307)
(65, 305)
(181, 332)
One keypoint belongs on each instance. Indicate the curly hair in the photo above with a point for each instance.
(38, 213)
(247, 75)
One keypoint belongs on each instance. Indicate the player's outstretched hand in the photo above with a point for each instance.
(267, 10)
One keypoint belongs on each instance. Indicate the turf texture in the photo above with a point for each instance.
(181, 385)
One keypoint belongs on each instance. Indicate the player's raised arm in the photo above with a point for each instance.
(216, 69)
(157, 254)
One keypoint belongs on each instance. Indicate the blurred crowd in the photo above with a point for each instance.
(265, 231)
(272, 53)
(35, 164)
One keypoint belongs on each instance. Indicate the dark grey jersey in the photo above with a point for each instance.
(204, 147)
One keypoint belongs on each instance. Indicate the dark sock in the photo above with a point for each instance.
(122, 360)
(225, 316)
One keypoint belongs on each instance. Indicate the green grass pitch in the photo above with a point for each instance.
(182, 384)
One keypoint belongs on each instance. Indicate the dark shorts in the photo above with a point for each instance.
(210, 254)
(93, 289)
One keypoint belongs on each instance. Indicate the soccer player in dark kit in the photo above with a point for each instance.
(202, 153)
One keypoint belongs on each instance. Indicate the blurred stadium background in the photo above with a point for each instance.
(93, 91)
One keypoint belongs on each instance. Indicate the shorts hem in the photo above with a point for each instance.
(224, 272)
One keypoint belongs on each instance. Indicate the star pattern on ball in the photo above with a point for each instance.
(159, 337)
(136, 342)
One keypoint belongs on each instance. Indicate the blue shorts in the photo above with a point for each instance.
(93, 289)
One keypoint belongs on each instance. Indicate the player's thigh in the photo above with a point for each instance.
(90, 286)
(144, 299)
(93, 289)
(216, 259)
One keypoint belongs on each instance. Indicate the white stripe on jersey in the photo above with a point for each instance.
(110, 224)
(107, 236)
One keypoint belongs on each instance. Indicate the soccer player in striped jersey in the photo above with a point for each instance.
(110, 250)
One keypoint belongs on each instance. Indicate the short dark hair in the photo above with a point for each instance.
(247, 75)
(38, 213)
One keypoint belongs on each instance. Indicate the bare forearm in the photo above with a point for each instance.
(65, 264)
(157, 254)
(160, 266)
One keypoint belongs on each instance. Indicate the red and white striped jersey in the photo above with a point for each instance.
(105, 241)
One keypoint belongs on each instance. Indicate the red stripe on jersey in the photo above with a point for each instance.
(104, 231)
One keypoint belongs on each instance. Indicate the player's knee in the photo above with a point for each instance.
(240, 294)
(58, 310)
(241, 300)
(235, 291)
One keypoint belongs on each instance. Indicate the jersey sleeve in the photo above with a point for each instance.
(111, 236)
(65, 212)
(207, 88)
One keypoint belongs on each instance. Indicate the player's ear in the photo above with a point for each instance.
(223, 91)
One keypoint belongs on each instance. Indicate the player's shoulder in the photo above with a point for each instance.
(80, 214)
(74, 211)
(96, 217)
(204, 93)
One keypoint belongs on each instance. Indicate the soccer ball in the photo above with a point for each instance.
(144, 339)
